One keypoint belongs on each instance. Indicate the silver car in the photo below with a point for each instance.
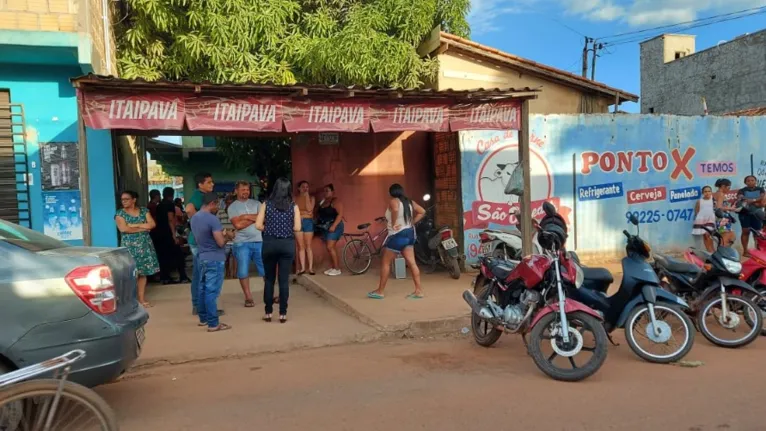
(55, 298)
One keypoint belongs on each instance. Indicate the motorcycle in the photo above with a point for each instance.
(639, 298)
(711, 281)
(505, 244)
(436, 246)
(529, 298)
(754, 270)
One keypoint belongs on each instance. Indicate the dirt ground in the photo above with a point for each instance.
(445, 384)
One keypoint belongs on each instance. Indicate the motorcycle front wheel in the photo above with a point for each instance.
(744, 321)
(547, 333)
(483, 331)
(639, 327)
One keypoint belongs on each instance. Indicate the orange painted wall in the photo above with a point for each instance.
(362, 167)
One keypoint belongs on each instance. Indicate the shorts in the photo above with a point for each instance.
(307, 225)
(750, 221)
(333, 236)
(401, 240)
(246, 252)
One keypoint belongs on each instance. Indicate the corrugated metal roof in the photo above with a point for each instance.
(92, 81)
(752, 112)
(534, 66)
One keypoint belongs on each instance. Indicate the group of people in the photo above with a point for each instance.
(749, 206)
(266, 234)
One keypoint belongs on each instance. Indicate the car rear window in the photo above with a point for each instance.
(27, 238)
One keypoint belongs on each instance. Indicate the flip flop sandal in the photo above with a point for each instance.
(311, 272)
(221, 327)
(249, 303)
(200, 324)
(146, 305)
(300, 273)
(373, 295)
(414, 296)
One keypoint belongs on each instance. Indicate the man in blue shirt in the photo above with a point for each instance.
(211, 258)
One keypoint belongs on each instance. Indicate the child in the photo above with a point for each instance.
(704, 218)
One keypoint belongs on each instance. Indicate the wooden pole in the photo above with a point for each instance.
(84, 177)
(585, 58)
(526, 197)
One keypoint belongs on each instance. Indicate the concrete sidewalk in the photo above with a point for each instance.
(172, 334)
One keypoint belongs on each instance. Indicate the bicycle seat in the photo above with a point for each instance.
(364, 226)
(675, 265)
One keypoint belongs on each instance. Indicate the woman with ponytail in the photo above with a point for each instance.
(402, 214)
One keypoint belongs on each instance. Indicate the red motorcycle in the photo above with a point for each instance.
(526, 298)
(754, 270)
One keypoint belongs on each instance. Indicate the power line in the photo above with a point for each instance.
(684, 23)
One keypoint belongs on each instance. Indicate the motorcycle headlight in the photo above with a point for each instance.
(732, 266)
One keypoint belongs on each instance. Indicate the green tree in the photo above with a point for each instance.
(359, 42)
(264, 158)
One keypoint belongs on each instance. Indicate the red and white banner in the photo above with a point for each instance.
(504, 115)
(137, 112)
(326, 116)
(484, 213)
(418, 117)
(219, 113)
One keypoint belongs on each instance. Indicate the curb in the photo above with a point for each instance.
(413, 329)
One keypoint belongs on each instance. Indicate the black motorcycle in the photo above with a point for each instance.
(712, 287)
(641, 307)
(436, 246)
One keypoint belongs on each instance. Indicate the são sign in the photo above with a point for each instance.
(264, 114)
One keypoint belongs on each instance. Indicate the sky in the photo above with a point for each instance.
(552, 31)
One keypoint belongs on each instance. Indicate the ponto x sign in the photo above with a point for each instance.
(623, 161)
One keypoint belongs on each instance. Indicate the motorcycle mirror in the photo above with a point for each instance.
(426, 197)
(549, 209)
(634, 220)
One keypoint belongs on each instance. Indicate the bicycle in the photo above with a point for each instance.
(55, 404)
(360, 246)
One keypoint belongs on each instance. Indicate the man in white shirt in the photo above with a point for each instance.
(248, 242)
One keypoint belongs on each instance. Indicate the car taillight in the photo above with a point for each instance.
(446, 235)
(94, 286)
(483, 237)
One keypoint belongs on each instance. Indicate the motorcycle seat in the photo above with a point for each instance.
(598, 275)
(675, 265)
(364, 226)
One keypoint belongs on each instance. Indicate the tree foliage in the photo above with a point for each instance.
(264, 158)
(361, 42)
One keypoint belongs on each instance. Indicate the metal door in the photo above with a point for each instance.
(14, 188)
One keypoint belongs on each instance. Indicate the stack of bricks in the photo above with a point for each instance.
(39, 15)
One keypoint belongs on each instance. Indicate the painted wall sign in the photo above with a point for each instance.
(600, 191)
(231, 113)
(416, 117)
(137, 112)
(685, 194)
(716, 169)
(642, 162)
(651, 194)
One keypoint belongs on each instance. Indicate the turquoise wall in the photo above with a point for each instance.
(50, 107)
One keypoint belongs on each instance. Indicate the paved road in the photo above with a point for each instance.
(444, 385)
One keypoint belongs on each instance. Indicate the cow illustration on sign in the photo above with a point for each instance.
(497, 169)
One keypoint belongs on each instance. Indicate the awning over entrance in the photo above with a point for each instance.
(113, 103)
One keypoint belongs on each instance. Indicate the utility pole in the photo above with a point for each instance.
(585, 57)
(596, 47)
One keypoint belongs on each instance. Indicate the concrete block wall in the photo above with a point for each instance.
(728, 76)
(39, 15)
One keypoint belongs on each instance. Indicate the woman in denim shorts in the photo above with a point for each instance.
(305, 203)
(402, 214)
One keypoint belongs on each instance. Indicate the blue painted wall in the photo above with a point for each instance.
(591, 167)
(50, 106)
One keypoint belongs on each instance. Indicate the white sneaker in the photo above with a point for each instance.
(328, 271)
(334, 272)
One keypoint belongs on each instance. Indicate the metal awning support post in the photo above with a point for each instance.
(526, 197)
(84, 177)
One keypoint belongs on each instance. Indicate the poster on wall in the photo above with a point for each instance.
(62, 215)
(60, 168)
(489, 159)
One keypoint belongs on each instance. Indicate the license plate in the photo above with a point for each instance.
(449, 244)
(140, 337)
(486, 248)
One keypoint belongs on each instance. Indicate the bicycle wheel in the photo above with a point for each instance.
(32, 406)
(357, 256)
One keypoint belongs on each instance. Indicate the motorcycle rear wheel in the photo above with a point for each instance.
(453, 267)
(734, 302)
(761, 304)
(660, 359)
(483, 331)
(576, 373)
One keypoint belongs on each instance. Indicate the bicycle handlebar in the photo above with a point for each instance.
(43, 367)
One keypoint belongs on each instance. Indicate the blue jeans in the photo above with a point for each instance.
(246, 252)
(211, 282)
(195, 276)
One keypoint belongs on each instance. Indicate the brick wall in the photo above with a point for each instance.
(730, 77)
(84, 16)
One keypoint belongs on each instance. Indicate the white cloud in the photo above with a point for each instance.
(640, 13)
(486, 15)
